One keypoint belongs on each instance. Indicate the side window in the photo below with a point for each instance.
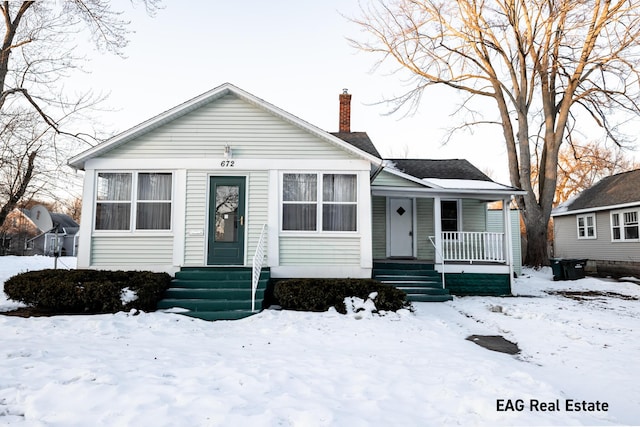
(586, 226)
(449, 215)
(625, 226)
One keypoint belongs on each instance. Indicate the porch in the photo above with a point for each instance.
(469, 246)
(423, 282)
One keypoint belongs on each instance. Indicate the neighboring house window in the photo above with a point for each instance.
(449, 215)
(624, 225)
(119, 200)
(586, 226)
(311, 201)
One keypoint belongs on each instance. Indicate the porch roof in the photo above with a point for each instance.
(444, 178)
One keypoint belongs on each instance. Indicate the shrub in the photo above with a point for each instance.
(321, 294)
(87, 291)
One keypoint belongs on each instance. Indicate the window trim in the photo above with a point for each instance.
(621, 224)
(133, 202)
(586, 227)
(319, 202)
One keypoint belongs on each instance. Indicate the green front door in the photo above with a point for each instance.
(226, 220)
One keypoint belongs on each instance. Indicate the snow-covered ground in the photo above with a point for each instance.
(325, 369)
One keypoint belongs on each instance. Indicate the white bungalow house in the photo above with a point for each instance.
(228, 180)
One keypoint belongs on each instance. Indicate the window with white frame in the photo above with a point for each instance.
(139, 199)
(319, 202)
(624, 226)
(586, 226)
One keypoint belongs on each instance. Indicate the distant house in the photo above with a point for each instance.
(226, 177)
(20, 236)
(601, 225)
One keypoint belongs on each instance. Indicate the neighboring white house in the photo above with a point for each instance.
(601, 225)
(226, 174)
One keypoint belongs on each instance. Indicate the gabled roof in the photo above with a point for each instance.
(360, 140)
(223, 90)
(611, 192)
(63, 221)
(443, 169)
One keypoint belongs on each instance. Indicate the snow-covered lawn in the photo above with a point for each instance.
(325, 369)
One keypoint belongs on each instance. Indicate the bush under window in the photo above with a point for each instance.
(88, 291)
(321, 294)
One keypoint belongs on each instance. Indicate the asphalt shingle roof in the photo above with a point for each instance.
(444, 169)
(614, 190)
(359, 140)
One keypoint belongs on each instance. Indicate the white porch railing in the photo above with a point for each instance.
(258, 260)
(473, 246)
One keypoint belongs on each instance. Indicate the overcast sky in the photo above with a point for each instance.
(293, 54)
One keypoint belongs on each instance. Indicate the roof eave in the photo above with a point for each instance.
(595, 209)
(466, 193)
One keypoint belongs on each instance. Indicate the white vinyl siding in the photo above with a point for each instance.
(495, 224)
(567, 245)
(379, 223)
(386, 179)
(329, 251)
(131, 251)
(474, 217)
(250, 132)
(425, 229)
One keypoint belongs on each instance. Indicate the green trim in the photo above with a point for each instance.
(478, 284)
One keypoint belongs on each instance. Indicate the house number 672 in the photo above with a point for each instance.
(228, 163)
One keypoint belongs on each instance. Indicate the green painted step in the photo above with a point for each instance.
(426, 279)
(403, 266)
(421, 282)
(215, 284)
(423, 290)
(233, 274)
(209, 293)
(414, 272)
(219, 315)
(431, 298)
(214, 293)
(208, 304)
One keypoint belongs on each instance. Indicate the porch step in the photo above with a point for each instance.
(219, 315)
(214, 293)
(422, 280)
(419, 281)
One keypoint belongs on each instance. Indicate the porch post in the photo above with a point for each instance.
(437, 227)
(508, 243)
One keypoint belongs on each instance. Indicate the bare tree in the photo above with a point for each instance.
(542, 65)
(581, 166)
(37, 54)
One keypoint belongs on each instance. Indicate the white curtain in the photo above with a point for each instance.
(299, 196)
(154, 201)
(115, 195)
(339, 208)
(113, 210)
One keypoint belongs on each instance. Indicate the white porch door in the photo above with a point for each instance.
(400, 227)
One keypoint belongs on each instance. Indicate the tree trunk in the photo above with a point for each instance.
(15, 196)
(537, 245)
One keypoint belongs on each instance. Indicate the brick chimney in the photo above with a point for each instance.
(345, 112)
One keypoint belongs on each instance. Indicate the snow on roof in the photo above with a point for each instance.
(466, 184)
